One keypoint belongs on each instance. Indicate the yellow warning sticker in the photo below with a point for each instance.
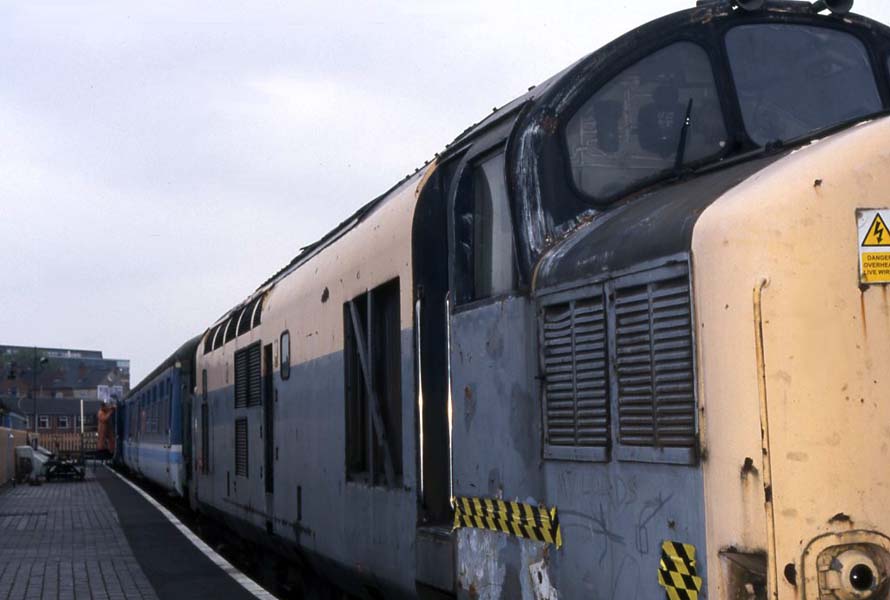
(874, 245)
(877, 233)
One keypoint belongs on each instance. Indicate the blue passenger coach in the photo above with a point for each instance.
(152, 441)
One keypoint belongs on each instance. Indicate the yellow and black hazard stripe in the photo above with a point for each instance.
(513, 518)
(676, 571)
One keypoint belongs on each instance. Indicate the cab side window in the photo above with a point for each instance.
(285, 355)
(630, 130)
(486, 256)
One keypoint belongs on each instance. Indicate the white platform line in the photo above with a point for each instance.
(246, 582)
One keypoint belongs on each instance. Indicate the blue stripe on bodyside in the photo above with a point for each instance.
(154, 454)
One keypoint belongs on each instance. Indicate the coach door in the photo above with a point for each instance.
(491, 343)
(430, 256)
(434, 548)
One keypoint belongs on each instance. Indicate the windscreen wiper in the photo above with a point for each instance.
(684, 135)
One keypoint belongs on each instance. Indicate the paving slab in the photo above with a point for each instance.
(99, 539)
(63, 541)
(175, 567)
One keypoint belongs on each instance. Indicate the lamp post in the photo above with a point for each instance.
(14, 372)
(41, 361)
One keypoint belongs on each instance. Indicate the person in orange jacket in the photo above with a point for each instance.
(106, 429)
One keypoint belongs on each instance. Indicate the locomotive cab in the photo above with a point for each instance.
(637, 375)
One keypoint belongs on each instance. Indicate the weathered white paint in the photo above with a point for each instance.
(826, 356)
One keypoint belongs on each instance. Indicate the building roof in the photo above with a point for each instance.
(54, 352)
(64, 369)
(51, 406)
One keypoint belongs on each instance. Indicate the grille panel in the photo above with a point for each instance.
(241, 448)
(254, 376)
(618, 369)
(575, 380)
(248, 377)
(654, 364)
(241, 379)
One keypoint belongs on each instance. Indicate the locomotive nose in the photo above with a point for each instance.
(853, 571)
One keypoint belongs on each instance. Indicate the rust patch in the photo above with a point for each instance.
(840, 518)
(325, 295)
(817, 183)
(748, 468)
(862, 312)
(549, 124)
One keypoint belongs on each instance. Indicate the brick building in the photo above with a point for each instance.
(59, 378)
(56, 415)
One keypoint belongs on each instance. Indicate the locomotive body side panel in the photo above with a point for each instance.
(616, 510)
(496, 442)
(793, 348)
(614, 518)
(355, 526)
(614, 515)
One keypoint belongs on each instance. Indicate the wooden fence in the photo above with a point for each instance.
(69, 444)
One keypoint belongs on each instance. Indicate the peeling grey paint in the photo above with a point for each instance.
(534, 571)
(481, 573)
(541, 585)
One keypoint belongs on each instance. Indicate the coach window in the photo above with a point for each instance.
(631, 130)
(372, 348)
(285, 355)
(231, 326)
(218, 335)
(258, 311)
(486, 256)
(244, 320)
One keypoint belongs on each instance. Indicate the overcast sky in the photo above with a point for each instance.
(159, 160)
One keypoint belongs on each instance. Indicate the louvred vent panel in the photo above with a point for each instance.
(654, 363)
(575, 379)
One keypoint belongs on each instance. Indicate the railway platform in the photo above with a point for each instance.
(102, 539)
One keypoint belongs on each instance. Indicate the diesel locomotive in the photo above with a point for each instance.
(628, 338)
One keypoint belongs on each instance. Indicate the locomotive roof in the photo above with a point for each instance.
(704, 13)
